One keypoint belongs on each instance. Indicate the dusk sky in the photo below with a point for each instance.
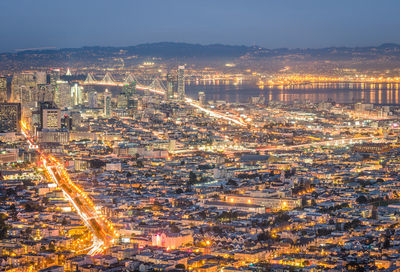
(271, 24)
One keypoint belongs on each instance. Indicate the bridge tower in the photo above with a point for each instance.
(131, 78)
(157, 85)
(108, 78)
(90, 78)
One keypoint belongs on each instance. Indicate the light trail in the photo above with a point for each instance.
(103, 231)
(326, 143)
(97, 243)
(233, 149)
(144, 88)
(190, 102)
(215, 114)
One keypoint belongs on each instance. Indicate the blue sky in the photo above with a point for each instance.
(268, 23)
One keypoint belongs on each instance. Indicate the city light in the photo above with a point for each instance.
(103, 231)
(273, 159)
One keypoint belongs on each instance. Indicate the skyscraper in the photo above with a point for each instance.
(107, 103)
(170, 87)
(3, 89)
(51, 119)
(129, 89)
(92, 99)
(181, 82)
(128, 93)
(54, 76)
(49, 130)
(76, 94)
(133, 104)
(50, 116)
(26, 95)
(41, 77)
(22, 88)
(44, 93)
(122, 101)
(62, 94)
(202, 98)
(10, 117)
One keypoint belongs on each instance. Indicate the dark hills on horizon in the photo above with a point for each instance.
(387, 54)
(178, 49)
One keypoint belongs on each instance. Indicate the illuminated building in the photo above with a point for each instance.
(372, 147)
(9, 156)
(245, 207)
(49, 130)
(171, 241)
(107, 103)
(66, 122)
(54, 76)
(53, 136)
(130, 89)
(10, 117)
(22, 87)
(23, 94)
(41, 77)
(202, 98)
(44, 93)
(62, 95)
(92, 99)
(3, 89)
(133, 105)
(269, 202)
(361, 107)
(122, 101)
(50, 116)
(76, 94)
(170, 87)
(68, 73)
(181, 82)
(126, 99)
(76, 119)
(35, 120)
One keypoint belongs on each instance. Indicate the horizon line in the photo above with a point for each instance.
(54, 48)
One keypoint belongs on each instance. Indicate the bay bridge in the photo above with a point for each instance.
(157, 87)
